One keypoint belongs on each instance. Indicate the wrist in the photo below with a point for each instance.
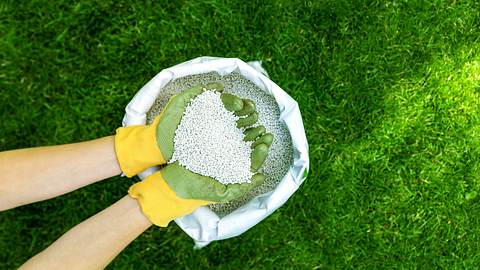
(136, 149)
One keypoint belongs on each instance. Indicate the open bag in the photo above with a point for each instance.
(204, 226)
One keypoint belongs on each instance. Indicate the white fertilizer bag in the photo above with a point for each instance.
(204, 225)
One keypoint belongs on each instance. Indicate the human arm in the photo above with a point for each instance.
(40, 173)
(96, 241)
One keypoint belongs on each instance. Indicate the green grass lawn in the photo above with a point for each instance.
(389, 91)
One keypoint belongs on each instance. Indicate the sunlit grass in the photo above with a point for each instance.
(389, 93)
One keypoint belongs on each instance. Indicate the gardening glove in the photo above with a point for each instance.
(175, 191)
(141, 147)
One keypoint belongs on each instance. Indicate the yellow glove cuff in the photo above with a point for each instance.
(159, 202)
(136, 148)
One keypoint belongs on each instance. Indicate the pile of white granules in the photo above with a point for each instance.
(280, 154)
(208, 142)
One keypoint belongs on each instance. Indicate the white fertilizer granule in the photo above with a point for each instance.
(208, 142)
(280, 154)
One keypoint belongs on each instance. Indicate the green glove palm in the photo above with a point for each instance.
(190, 185)
(170, 117)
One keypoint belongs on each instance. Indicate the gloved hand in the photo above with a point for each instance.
(174, 191)
(141, 147)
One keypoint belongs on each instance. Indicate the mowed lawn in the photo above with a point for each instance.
(390, 97)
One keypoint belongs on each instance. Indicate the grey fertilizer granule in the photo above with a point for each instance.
(280, 154)
(208, 142)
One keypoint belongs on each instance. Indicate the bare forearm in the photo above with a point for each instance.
(35, 174)
(95, 242)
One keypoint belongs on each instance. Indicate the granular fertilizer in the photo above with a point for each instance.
(280, 154)
(208, 142)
